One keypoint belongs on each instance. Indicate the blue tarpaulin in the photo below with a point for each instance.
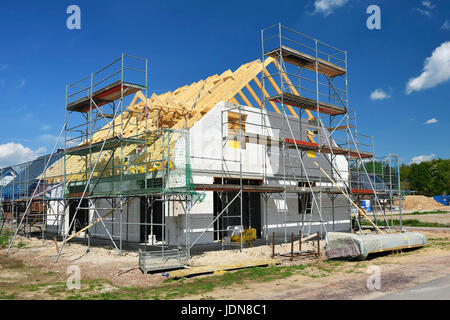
(445, 200)
(19, 181)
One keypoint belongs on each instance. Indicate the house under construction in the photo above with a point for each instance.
(270, 147)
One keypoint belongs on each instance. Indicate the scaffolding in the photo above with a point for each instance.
(114, 155)
(307, 92)
(123, 154)
(310, 78)
(304, 118)
(24, 197)
(384, 174)
(117, 154)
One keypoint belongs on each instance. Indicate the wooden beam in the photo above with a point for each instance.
(216, 268)
(310, 136)
(218, 93)
(292, 87)
(277, 89)
(266, 94)
(354, 204)
(255, 97)
(243, 97)
(234, 101)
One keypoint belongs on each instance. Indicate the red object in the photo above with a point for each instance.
(78, 195)
(362, 191)
(302, 143)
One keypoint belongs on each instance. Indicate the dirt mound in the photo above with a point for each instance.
(420, 203)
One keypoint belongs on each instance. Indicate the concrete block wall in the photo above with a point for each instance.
(130, 215)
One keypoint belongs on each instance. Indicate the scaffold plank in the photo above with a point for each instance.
(307, 103)
(305, 145)
(306, 61)
(103, 96)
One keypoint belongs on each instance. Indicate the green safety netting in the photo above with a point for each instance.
(163, 167)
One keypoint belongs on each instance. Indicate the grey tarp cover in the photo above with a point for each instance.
(340, 244)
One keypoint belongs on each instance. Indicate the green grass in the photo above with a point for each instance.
(172, 289)
(441, 243)
(5, 238)
(21, 245)
(5, 296)
(48, 284)
(418, 213)
(44, 285)
(411, 223)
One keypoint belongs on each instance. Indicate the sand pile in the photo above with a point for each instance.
(420, 203)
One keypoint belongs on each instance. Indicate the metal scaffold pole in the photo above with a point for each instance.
(41, 178)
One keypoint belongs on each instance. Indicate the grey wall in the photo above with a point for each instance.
(130, 215)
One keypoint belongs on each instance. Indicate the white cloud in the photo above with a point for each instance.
(426, 9)
(428, 4)
(436, 70)
(422, 158)
(431, 121)
(15, 153)
(46, 127)
(4, 67)
(22, 83)
(424, 12)
(446, 25)
(326, 7)
(379, 94)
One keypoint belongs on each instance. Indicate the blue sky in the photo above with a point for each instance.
(186, 41)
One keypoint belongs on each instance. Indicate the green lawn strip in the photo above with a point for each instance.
(410, 223)
(418, 213)
(5, 238)
(59, 289)
(6, 296)
(183, 287)
(172, 289)
(51, 285)
(101, 289)
(441, 243)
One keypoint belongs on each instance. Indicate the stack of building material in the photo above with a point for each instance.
(359, 246)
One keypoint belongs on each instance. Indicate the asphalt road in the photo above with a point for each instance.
(438, 289)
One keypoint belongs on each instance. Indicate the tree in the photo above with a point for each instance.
(429, 178)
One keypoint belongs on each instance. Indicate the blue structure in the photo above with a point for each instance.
(366, 205)
(19, 181)
(445, 200)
